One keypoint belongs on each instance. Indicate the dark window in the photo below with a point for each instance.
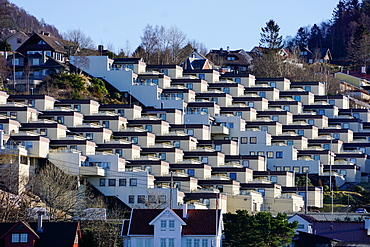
(102, 182)
(131, 199)
(111, 182)
(244, 140)
(122, 182)
(233, 175)
(191, 172)
(140, 199)
(253, 140)
(279, 154)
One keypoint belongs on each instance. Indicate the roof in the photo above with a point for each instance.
(344, 231)
(306, 217)
(56, 234)
(195, 223)
(55, 43)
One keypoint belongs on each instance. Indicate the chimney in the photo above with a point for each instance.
(228, 48)
(184, 211)
(39, 221)
(367, 225)
(101, 49)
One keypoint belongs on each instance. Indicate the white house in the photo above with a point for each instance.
(173, 227)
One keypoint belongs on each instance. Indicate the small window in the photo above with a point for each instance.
(356, 115)
(176, 144)
(275, 118)
(286, 108)
(270, 154)
(226, 90)
(204, 160)
(261, 153)
(253, 140)
(278, 168)
(300, 226)
(345, 125)
(131, 199)
(163, 117)
(331, 102)
(297, 98)
(149, 128)
(336, 136)
(326, 146)
(218, 148)
(163, 223)
(190, 132)
(230, 58)
(286, 168)
(122, 182)
(296, 169)
(171, 224)
(133, 181)
(262, 191)
(307, 88)
(290, 143)
(189, 86)
(251, 104)
(111, 182)
(102, 182)
(252, 153)
(15, 238)
(321, 112)
(24, 237)
(273, 179)
(264, 128)
(305, 169)
(244, 140)
(233, 176)
(141, 199)
(162, 156)
(43, 132)
(279, 154)
(272, 84)
(300, 132)
(230, 125)
(238, 80)
(106, 124)
(262, 94)
(204, 242)
(202, 76)
(316, 157)
(245, 163)
(311, 121)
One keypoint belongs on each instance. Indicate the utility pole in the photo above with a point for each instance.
(171, 185)
(306, 197)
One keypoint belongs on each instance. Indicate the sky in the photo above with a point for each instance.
(119, 24)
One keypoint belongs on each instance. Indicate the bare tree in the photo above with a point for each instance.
(78, 37)
(176, 40)
(4, 69)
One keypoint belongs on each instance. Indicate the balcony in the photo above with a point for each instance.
(219, 130)
(92, 171)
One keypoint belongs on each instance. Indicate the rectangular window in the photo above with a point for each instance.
(261, 153)
(252, 153)
(326, 146)
(149, 128)
(245, 163)
(189, 86)
(190, 132)
(163, 224)
(134, 140)
(297, 98)
(264, 128)
(176, 144)
(163, 117)
(171, 242)
(301, 132)
(131, 199)
(262, 94)
(111, 182)
(13, 115)
(290, 143)
(244, 140)
(43, 132)
(141, 199)
(279, 154)
(272, 84)
(336, 136)
(15, 238)
(202, 76)
(278, 168)
(305, 169)
(162, 156)
(133, 182)
(253, 140)
(270, 154)
(273, 179)
(262, 191)
(163, 242)
(286, 168)
(188, 243)
(311, 121)
(233, 176)
(251, 104)
(204, 160)
(316, 157)
(122, 182)
(345, 125)
(307, 88)
(331, 102)
(171, 224)
(275, 118)
(296, 169)
(286, 108)
(24, 237)
(196, 242)
(191, 172)
(106, 124)
(230, 125)
(102, 182)
(321, 112)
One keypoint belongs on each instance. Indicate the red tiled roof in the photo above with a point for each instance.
(199, 221)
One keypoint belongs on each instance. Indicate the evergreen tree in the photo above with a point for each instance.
(270, 37)
(301, 38)
(359, 47)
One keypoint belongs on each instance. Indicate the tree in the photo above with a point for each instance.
(301, 38)
(359, 47)
(270, 37)
(78, 37)
(262, 229)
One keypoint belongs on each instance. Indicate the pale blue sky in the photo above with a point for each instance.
(216, 23)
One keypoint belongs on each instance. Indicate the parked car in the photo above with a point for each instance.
(361, 211)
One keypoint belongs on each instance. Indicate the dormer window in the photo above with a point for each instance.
(230, 58)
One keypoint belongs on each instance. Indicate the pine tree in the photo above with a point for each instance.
(270, 37)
